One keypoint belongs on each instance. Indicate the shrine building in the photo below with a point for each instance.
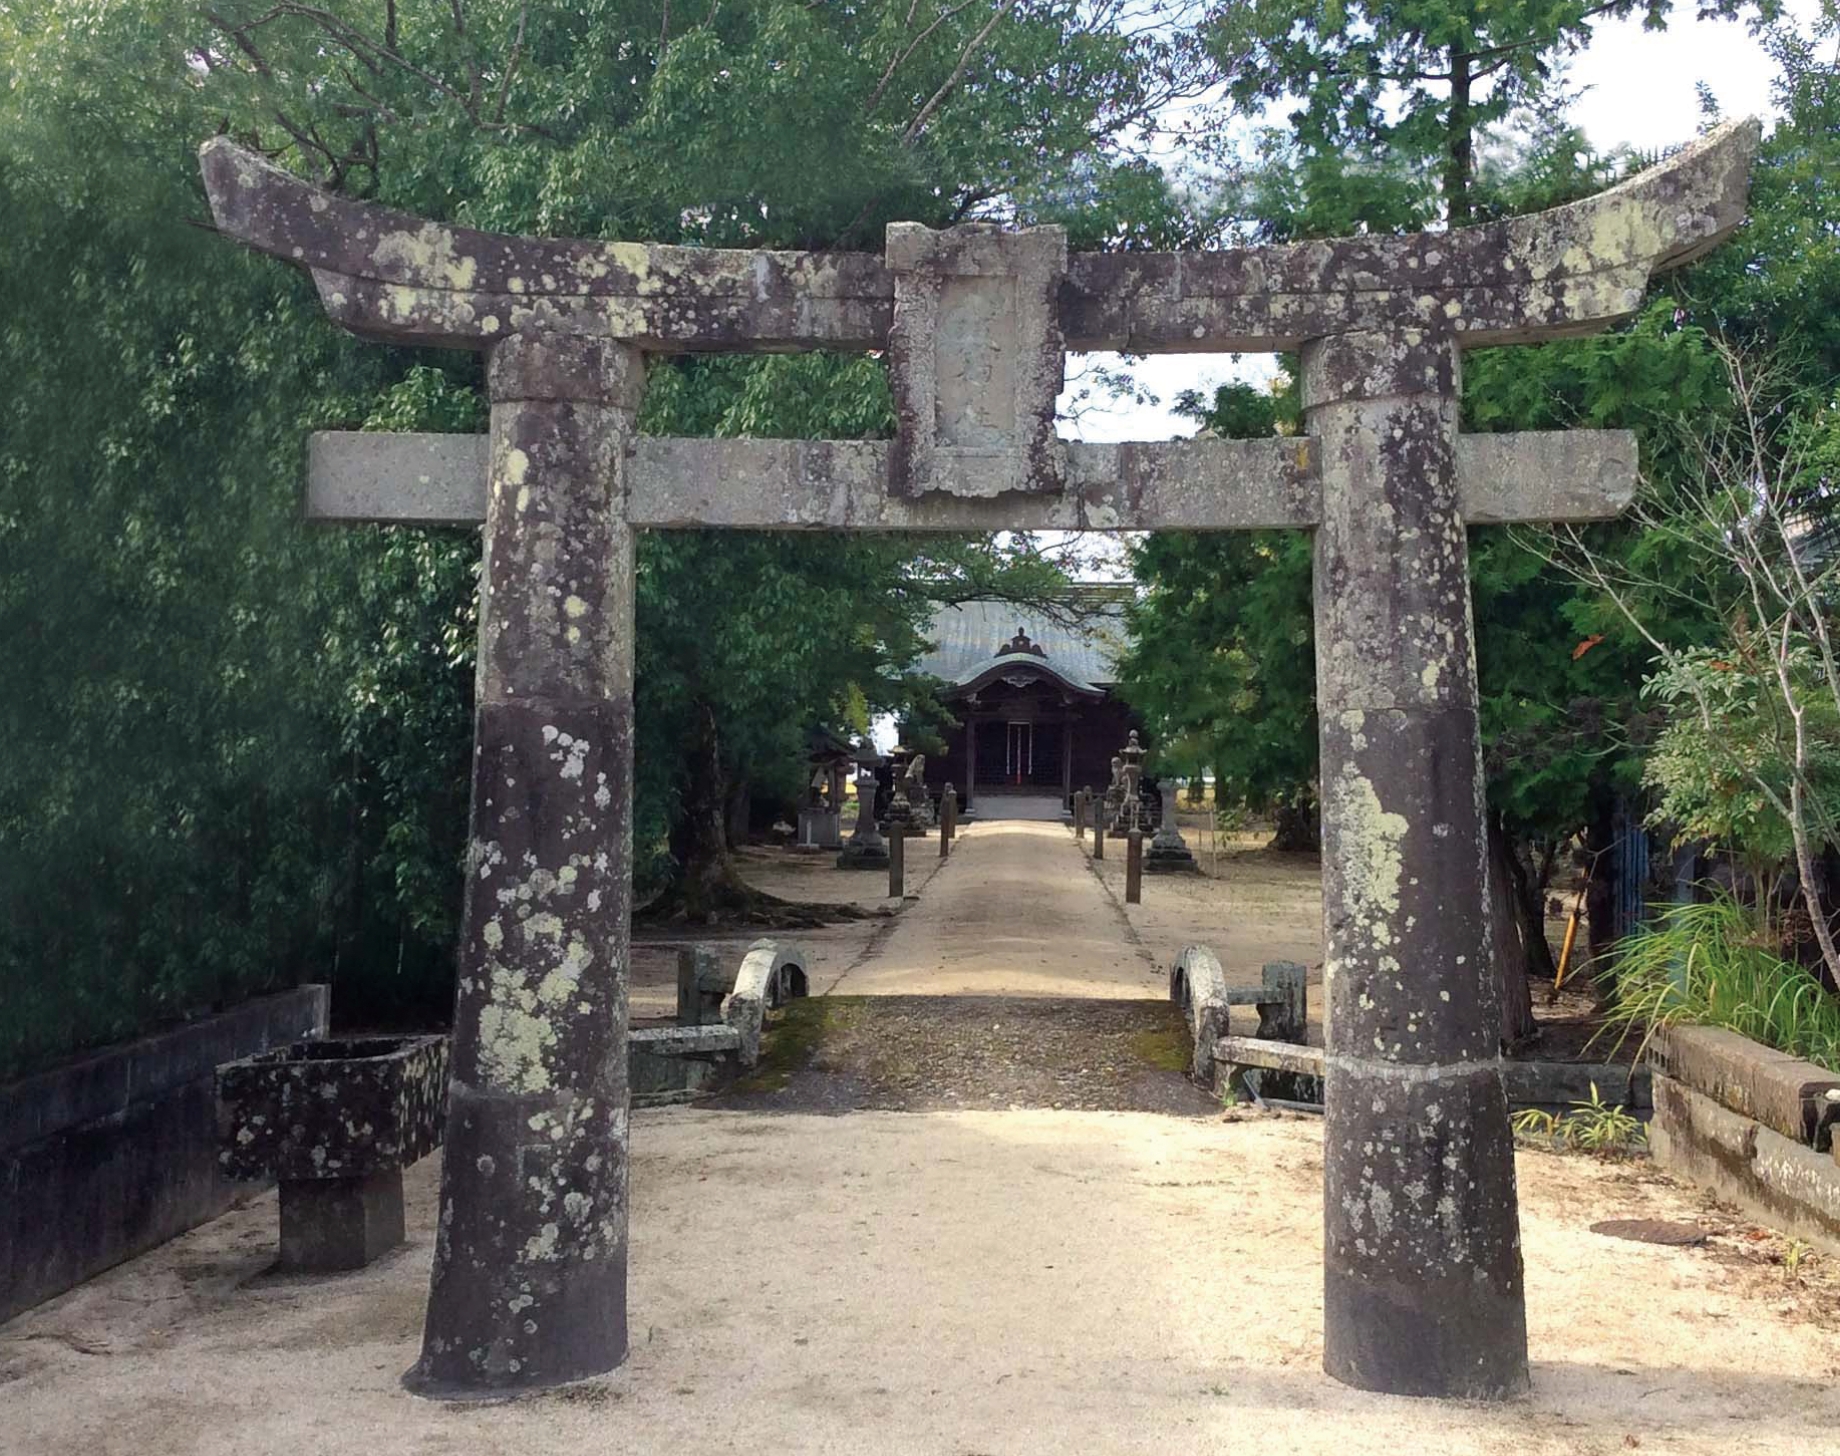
(1034, 699)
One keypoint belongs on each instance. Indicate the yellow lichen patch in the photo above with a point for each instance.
(517, 468)
(427, 255)
(1369, 850)
(513, 1038)
(575, 607)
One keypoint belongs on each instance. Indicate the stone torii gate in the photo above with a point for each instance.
(1423, 1286)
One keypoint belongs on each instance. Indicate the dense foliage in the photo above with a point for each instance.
(237, 746)
(1221, 666)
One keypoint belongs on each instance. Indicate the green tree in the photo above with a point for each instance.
(1388, 101)
(237, 745)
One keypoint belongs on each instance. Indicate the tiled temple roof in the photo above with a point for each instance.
(970, 637)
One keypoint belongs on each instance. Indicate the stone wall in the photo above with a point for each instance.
(1752, 1126)
(103, 1158)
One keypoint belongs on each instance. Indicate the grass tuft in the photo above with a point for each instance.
(1712, 965)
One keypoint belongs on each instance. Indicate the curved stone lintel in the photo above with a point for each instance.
(391, 275)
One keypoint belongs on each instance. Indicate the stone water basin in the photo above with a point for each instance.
(334, 1123)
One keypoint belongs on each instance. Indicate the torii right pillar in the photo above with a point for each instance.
(1422, 1261)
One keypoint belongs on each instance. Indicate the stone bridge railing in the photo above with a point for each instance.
(719, 1021)
(1198, 985)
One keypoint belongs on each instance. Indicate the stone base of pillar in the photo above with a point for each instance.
(1429, 1301)
(329, 1225)
(863, 857)
(1160, 861)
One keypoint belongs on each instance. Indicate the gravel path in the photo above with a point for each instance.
(1013, 981)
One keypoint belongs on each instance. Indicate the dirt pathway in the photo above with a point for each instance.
(1013, 981)
(943, 1284)
(1014, 912)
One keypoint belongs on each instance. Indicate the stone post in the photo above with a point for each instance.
(948, 819)
(1079, 816)
(529, 1279)
(897, 862)
(1134, 867)
(1422, 1260)
(1099, 835)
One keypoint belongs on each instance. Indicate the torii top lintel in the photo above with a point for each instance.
(390, 275)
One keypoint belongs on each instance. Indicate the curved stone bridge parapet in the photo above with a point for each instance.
(772, 973)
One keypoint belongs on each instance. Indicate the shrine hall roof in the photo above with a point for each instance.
(967, 638)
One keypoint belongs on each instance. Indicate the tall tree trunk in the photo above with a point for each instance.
(1459, 141)
(706, 880)
(1297, 823)
(735, 815)
(1520, 945)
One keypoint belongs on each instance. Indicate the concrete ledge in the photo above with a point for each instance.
(1770, 1177)
(666, 1064)
(1272, 1056)
(104, 1158)
(1561, 1084)
(1784, 1093)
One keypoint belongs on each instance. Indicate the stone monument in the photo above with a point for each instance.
(1169, 853)
(866, 850)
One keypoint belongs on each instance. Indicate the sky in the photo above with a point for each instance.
(1638, 91)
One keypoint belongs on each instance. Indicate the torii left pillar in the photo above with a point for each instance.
(529, 1284)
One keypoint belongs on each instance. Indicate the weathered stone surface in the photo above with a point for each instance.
(1275, 1056)
(1198, 985)
(1558, 1085)
(331, 1225)
(669, 1064)
(803, 485)
(1778, 1181)
(1780, 1091)
(332, 1109)
(867, 850)
(1169, 852)
(1281, 1001)
(393, 276)
(772, 973)
(1422, 1254)
(975, 358)
(1422, 1288)
(702, 985)
(529, 1281)
(1569, 270)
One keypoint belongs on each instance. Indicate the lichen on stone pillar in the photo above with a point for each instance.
(1422, 1261)
(529, 1279)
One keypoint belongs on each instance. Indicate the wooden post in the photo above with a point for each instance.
(1099, 834)
(897, 860)
(1134, 867)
